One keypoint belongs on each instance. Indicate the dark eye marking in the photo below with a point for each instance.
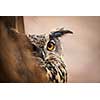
(34, 48)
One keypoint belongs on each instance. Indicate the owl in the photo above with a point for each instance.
(48, 51)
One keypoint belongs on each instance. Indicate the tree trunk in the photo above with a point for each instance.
(17, 64)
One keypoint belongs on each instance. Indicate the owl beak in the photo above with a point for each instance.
(42, 54)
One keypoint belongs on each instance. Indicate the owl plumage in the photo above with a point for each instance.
(47, 49)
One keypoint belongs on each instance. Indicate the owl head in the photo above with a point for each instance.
(48, 48)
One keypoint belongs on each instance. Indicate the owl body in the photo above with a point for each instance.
(48, 51)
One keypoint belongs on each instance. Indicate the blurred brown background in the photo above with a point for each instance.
(81, 50)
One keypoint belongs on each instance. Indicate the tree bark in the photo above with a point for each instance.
(17, 64)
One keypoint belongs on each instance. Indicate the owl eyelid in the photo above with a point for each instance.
(52, 41)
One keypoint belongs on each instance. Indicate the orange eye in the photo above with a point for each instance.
(50, 46)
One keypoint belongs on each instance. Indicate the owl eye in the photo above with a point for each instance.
(50, 46)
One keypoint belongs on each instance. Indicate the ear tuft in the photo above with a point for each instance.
(60, 32)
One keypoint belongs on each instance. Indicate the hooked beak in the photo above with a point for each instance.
(42, 54)
(39, 51)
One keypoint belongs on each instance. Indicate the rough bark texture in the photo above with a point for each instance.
(16, 61)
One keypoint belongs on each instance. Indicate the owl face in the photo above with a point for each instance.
(46, 45)
(48, 48)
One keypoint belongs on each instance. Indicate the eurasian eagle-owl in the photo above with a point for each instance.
(47, 49)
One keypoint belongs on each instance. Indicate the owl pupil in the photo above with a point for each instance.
(49, 45)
